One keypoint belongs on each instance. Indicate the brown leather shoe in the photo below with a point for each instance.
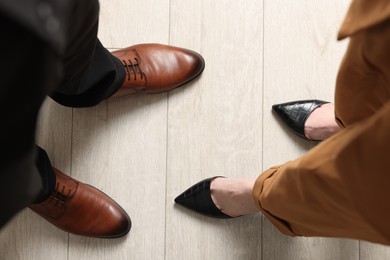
(154, 68)
(83, 210)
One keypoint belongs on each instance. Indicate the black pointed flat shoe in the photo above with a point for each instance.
(295, 113)
(198, 199)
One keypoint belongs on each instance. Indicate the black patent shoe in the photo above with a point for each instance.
(295, 113)
(198, 199)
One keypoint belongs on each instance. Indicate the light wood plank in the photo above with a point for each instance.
(301, 58)
(370, 251)
(119, 146)
(278, 246)
(214, 124)
(28, 236)
(123, 23)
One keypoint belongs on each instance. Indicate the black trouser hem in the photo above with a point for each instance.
(48, 176)
(104, 76)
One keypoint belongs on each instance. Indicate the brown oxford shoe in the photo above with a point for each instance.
(83, 210)
(154, 68)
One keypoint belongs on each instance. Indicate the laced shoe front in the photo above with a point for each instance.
(154, 68)
(135, 80)
(82, 210)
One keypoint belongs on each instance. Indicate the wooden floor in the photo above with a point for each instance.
(144, 150)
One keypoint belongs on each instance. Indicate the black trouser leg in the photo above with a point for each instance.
(45, 170)
(100, 80)
(28, 72)
(91, 73)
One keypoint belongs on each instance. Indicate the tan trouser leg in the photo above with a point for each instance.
(341, 187)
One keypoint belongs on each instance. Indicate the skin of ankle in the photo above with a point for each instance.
(321, 123)
(233, 197)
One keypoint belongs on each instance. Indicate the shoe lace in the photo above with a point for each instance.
(59, 196)
(133, 67)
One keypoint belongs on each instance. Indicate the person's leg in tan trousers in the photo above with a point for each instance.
(339, 188)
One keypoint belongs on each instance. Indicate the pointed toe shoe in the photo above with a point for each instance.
(198, 198)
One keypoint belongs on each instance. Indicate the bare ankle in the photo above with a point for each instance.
(233, 197)
(321, 123)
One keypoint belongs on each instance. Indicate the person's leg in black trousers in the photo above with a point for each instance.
(28, 74)
(31, 69)
(90, 74)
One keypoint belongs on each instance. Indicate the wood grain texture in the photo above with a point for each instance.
(214, 124)
(124, 23)
(370, 251)
(301, 57)
(278, 246)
